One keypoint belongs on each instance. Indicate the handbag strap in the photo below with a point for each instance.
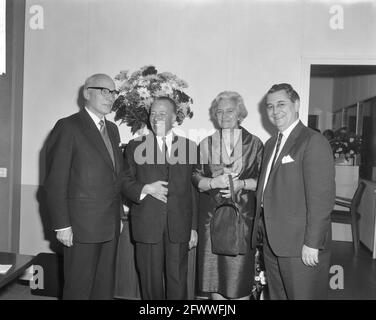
(229, 176)
(220, 146)
(232, 188)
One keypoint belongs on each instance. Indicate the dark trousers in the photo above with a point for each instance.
(288, 278)
(89, 270)
(163, 269)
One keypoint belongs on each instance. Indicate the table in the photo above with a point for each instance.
(19, 262)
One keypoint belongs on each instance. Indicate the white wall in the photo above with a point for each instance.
(349, 90)
(321, 101)
(213, 44)
(328, 95)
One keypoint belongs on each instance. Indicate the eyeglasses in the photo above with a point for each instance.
(106, 92)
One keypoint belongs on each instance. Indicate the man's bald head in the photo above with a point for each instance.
(98, 92)
(100, 80)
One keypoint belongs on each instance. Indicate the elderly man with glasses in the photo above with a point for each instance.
(83, 166)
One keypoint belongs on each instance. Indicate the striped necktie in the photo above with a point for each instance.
(106, 139)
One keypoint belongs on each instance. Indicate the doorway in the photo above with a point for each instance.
(342, 103)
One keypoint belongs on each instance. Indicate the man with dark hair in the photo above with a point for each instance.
(164, 209)
(295, 197)
(83, 167)
(328, 134)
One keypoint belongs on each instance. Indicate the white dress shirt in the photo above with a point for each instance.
(96, 121)
(285, 135)
(168, 136)
(95, 118)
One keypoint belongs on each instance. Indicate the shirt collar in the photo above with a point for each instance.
(287, 132)
(168, 137)
(93, 116)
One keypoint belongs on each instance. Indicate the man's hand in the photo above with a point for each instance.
(310, 256)
(193, 240)
(157, 189)
(65, 237)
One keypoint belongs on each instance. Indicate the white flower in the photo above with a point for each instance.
(143, 93)
(143, 82)
(352, 152)
(123, 75)
(339, 149)
(257, 278)
(183, 107)
(351, 139)
(262, 278)
(173, 84)
(166, 88)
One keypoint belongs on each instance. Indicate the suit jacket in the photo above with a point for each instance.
(299, 195)
(148, 216)
(82, 186)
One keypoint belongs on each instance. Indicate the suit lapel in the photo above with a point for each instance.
(115, 147)
(269, 146)
(287, 147)
(94, 136)
(158, 156)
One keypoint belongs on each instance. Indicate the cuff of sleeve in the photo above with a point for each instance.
(62, 229)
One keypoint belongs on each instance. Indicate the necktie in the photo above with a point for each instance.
(280, 135)
(279, 140)
(165, 150)
(106, 140)
(166, 157)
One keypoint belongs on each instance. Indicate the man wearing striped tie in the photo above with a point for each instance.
(295, 197)
(82, 185)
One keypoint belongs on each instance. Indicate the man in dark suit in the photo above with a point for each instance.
(158, 175)
(294, 200)
(82, 185)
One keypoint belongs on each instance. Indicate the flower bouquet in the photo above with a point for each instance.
(138, 91)
(346, 145)
(259, 282)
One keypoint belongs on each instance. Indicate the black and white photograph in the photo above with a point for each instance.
(192, 153)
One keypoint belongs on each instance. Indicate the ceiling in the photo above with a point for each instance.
(333, 71)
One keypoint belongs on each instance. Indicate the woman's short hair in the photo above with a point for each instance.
(233, 96)
(291, 93)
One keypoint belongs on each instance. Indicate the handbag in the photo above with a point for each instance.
(227, 228)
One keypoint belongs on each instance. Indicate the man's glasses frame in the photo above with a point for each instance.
(106, 92)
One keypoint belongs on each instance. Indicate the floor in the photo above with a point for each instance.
(359, 277)
(19, 290)
(359, 273)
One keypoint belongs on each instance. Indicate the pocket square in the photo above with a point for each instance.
(287, 159)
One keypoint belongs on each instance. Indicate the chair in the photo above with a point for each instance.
(351, 216)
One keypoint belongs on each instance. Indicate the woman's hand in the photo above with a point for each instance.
(220, 182)
(238, 185)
